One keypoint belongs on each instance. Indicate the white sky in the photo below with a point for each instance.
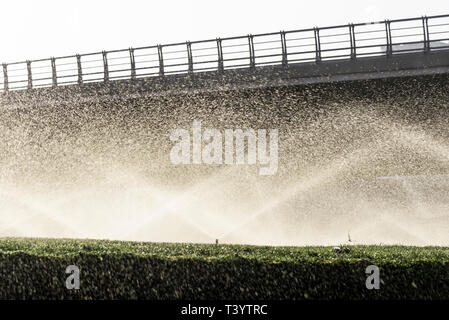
(40, 29)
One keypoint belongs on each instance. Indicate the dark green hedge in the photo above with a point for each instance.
(128, 276)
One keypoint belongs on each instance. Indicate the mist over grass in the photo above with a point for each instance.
(365, 158)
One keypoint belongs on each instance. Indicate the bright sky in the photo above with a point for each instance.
(40, 29)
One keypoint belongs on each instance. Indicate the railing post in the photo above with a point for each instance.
(54, 79)
(189, 56)
(427, 31)
(30, 76)
(161, 60)
(133, 63)
(252, 59)
(425, 26)
(105, 66)
(5, 77)
(388, 34)
(352, 39)
(284, 49)
(317, 44)
(220, 56)
(80, 69)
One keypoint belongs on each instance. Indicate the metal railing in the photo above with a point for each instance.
(351, 41)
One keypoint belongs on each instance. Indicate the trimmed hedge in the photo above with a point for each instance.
(35, 269)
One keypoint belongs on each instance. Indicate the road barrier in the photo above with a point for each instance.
(351, 41)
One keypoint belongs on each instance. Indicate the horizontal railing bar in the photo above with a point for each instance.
(335, 56)
(147, 74)
(371, 39)
(235, 38)
(204, 55)
(118, 50)
(268, 56)
(93, 80)
(93, 73)
(119, 77)
(145, 55)
(42, 67)
(173, 44)
(90, 54)
(65, 57)
(65, 64)
(92, 67)
(176, 51)
(334, 35)
(206, 68)
(438, 16)
(235, 66)
(409, 42)
(377, 45)
(377, 53)
(175, 65)
(327, 50)
(90, 61)
(18, 81)
(67, 82)
(438, 24)
(175, 58)
(120, 70)
(296, 39)
(406, 19)
(146, 47)
(334, 42)
(369, 31)
(147, 61)
(333, 27)
(40, 79)
(175, 71)
(407, 35)
(406, 28)
(235, 52)
(202, 41)
(439, 32)
(275, 62)
(21, 69)
(271, 48)
(406, 50)
(42, 85)
(17, 75)
(265, 34)
(235, 45)
(63, 70)
(199, 49)
(116, 58)
(203, 62)
(265, 42)
(17, 88)
(42, 72)
(119, 64)
(309, 51)
(236, 59)
(68, 76)
(150, 67)
(443, 39)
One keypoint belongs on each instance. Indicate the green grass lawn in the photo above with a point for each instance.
(35, 268)
(400, 255)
